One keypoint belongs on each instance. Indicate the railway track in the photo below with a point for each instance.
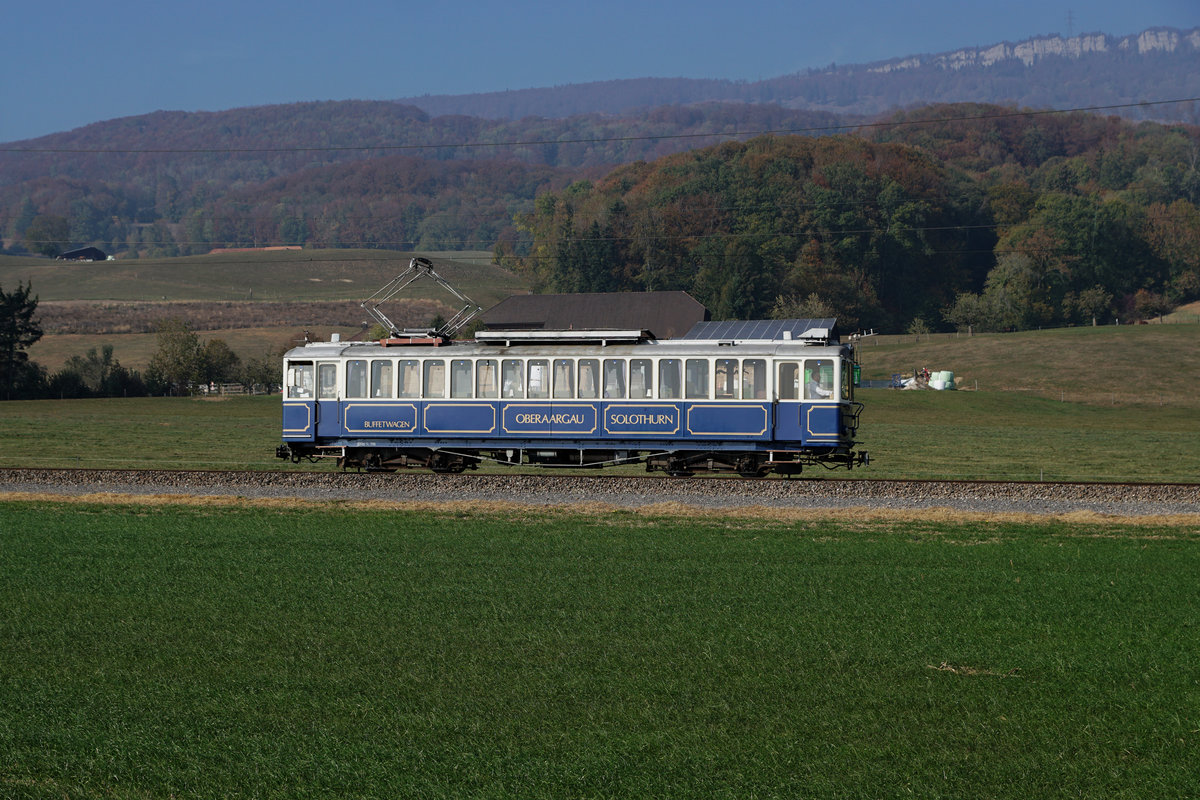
(1121, 499)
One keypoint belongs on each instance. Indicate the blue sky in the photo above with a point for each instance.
(64, 64)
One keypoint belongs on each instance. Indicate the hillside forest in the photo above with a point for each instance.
(950, 216)
(939, 217)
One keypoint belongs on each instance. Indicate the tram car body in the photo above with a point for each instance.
(745, 397)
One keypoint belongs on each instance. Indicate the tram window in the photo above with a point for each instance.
(460, 377)
(696, 378)
(818, 379)
(539, 379)
(754, 379)
(564, 377)
(485, 377)
(435, 379)
(847, 383)
(641, 378)
(356, 378)
(300, 381)
(614, 377)
(327, 381)
(589, 378)
(789, 380)
(725, 382)
(669, 383)
(410, 378)
(512, 378)
(381, 378)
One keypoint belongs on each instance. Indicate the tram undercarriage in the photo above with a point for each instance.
(677, 463)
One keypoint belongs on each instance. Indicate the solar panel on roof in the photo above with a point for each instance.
(769, 330)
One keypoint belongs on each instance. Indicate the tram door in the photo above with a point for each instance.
(789, 410)
(328, 419)
(809, 410)
(299, 406)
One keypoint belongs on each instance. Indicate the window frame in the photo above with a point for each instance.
(462, 379)
(818, 363)
(512, 387)
(688, 392)
(487, 368)
(670, 379)
(301, 377)
(618, 368)
(405, 368)
(590, 367)
(755, 389)
(790, 389)
(356, 383)
(428, 366)
(327, 391)
(383, 370)
(563, 368)
(729, 389)
(646, 367)
(544, 367)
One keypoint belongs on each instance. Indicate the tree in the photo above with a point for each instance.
(1173, 233)
(792, 307)
(918, 328)
(1149, 304)
(1093, 303)
(220, 364)
(19, 330)
(96, 375)
(262, 370)
(969, 311)
(178, 362)
(48, 234)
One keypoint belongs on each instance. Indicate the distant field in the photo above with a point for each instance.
(274, 275)
(255, 279)
(333, 651)
(1143, 364)
(984, 435)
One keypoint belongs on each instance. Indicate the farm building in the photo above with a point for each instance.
(84, 254)
(664, 314)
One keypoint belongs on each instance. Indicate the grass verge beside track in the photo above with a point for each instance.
(943, 435)
(324, 650)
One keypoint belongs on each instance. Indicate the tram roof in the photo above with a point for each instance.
(822, 330)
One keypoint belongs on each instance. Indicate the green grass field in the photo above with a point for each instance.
(962, 435)
(1139, 364)
(155, 651)
(324, 650)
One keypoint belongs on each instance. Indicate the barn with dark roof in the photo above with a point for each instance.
(666, 315)
(84, 254)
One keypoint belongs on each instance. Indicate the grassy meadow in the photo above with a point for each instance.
(345, 651)
(1110, 365)
(1114, 403)
(960, 435)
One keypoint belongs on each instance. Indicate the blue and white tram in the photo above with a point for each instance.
(576, 398)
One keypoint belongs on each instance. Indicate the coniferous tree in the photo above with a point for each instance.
(18, 331)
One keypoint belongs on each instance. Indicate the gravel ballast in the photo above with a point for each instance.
(630, 492)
